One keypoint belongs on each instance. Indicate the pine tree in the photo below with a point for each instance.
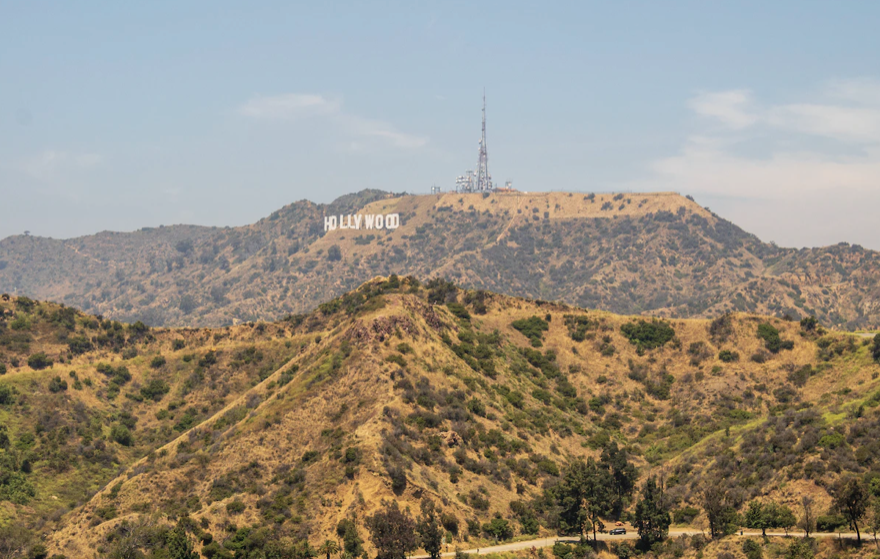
(430, 529)
(585, 496)
(652, 514)
(623, 475)
(179, 545)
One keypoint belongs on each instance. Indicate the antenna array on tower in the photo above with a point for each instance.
(479, 180)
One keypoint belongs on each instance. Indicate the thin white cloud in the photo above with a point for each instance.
(295, 106)
(848, 124)
(865, 91)
(850, 112)
(763, 164)
(50, 163)
(379, 129)
(729, 107)
(710, 168)
(290, 106)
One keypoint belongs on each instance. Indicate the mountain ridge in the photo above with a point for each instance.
(655, 254)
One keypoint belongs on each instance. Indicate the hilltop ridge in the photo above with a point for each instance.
(402, 389)
(656, 254)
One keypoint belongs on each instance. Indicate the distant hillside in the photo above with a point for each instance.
(400, 390)
(658, 254)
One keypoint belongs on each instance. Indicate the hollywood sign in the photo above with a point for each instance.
(362, 221)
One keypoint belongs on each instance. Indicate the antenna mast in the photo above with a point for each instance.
(479, 180)
(484, 179)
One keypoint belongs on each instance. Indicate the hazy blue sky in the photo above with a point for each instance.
(119, 115)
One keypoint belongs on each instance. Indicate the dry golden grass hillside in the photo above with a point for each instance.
(402, 390)
(630, 253)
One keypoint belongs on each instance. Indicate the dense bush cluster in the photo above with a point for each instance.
(648, 335)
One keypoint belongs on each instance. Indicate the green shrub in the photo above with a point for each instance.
(515, 398)
(498, 528)
(458, 310)
(397, 360)
(57, 385)
(235, 507)
(2, 368)
(39, 361)
(121, 435)
(157, 362)
(177, 345)
(800, 549)
(15, 488)
(106, 513)
(685, 515)
(476, 407)
(118, 375)
(20, 322)
(831, 522)
(7, 394)
(800, 376)
(155, 390)
(532, 328)
(648, 335)
(208, 359)
(79, 345)
(728, 356)
(752, 549)
(772, 341)
(288, 374)
(832, 440)
(398, 479)
(578, 326)
(759, 357)
(310, 456)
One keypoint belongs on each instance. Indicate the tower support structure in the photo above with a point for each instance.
(479, 180)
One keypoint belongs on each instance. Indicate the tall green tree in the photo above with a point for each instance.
(756, 517)
(623, 475)
(430, 528)
(722, 516)
(352, 543)
(652, 514)
(392, 531)
(761, 516)
(876, 349)
(179, 544)
(781, 516)
(851, 500)
(584, 496)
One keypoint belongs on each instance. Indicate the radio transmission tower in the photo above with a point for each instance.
(479, 180)
(484, 179)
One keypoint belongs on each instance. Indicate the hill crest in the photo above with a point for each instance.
(655, 254)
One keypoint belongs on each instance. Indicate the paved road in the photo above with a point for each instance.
(631, 534)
